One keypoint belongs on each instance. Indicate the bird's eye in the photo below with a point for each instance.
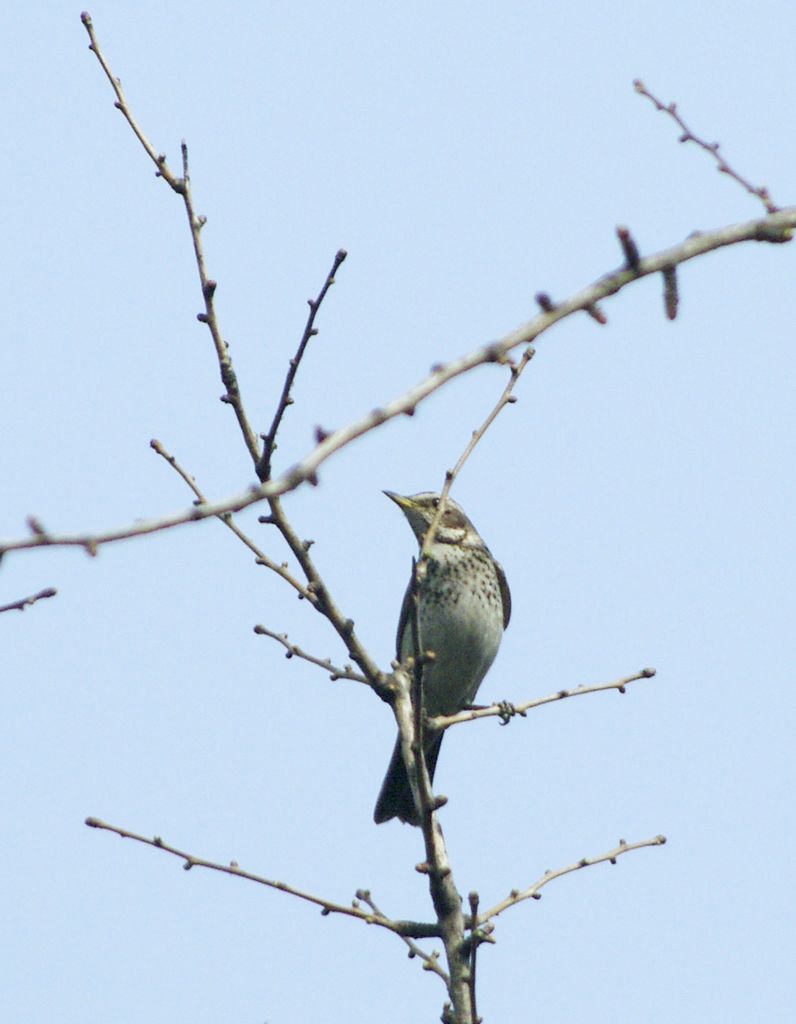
(435, 502)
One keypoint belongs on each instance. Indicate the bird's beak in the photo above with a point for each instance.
(399, 499)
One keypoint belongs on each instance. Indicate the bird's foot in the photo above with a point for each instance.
(506, 711)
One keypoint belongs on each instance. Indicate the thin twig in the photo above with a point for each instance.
(314, 592)
(293, 651)
(775, 228)
(158, 159)
(25, 602)
(506, 398)
(317, 595)
(182, 187)
(713, 148)
(413, 929)
(286, 399)
(534, 891)
(430, 960)
(226, 518)
(323, 602)
(506, 711)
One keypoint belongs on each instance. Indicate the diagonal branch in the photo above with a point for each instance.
(713, 148)
(534, 891)
(310, 330)
(411, 929)
(506, 398)
(775, 228)
(430, 960)
(261, 558)
(25, 602)
(293, 651)
(314, 591)
(323, 602)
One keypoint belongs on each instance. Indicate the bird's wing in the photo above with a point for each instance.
(505, 593)
(403, 619)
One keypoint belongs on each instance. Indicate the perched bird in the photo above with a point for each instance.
(463, 607)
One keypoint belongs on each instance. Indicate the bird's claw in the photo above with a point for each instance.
(506, 711)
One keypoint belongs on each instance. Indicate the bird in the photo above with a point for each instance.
(464, 605)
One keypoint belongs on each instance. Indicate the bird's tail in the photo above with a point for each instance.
(395, 799)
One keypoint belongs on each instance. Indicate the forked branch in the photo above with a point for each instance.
(182, 187)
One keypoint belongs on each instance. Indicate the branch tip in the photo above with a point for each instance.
(713, 148)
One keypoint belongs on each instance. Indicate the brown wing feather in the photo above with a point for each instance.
(505, 593)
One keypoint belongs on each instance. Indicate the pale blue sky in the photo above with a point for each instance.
(640, 496)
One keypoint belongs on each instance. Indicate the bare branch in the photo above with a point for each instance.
(323, 603)
(505, 711)
(414, 929)
(310, 330)
(25, 602)
(316, 591)
(293, 651)
(430, 960)
(182, 187)
(534, 891)
(261, 558)
(507, 398)
(775, 228)
(310, 592)
(713, 148)
(158, 159)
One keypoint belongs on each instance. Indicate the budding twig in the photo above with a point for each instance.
(269, 440)
(534, 891)
(25, 602)
(713, 148)
(504, 711)
(294, 651)
(412, 929)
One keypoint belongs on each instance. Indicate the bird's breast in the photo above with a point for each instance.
(461, 621)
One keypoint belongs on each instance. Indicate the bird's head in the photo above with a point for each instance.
(454, 526)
